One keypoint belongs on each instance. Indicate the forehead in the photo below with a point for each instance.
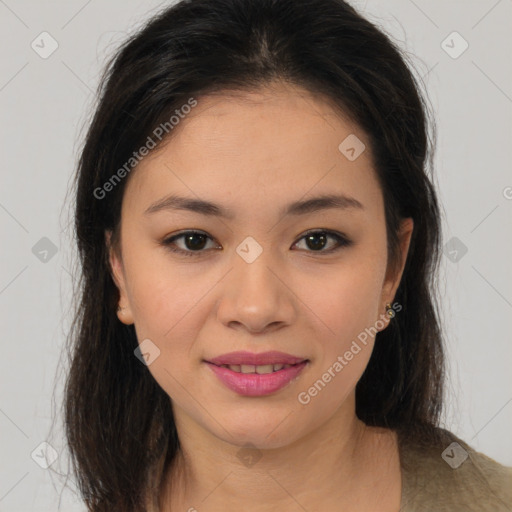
(262, 148)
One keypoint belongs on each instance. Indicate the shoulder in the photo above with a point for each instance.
(448, 475)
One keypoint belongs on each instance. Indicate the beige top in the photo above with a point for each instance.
(452, 478)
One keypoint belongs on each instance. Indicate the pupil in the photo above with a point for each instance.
(193, 245)
(316, 245)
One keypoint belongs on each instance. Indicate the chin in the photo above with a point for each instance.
(259, 430)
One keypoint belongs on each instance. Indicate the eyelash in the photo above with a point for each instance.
(343, 242)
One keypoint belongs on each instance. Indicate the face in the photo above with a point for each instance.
(309, 283)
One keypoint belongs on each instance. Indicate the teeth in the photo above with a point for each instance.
(260, 369)
(267, 368)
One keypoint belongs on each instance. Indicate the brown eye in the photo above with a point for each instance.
(194, 243)
(318, 240)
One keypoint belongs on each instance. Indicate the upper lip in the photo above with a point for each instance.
(251, 358)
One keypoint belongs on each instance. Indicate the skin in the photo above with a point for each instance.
(254, 153)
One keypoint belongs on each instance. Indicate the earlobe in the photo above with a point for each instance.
(124, 315)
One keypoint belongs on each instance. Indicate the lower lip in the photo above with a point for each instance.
(255, 384)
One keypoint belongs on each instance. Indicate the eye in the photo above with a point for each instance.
(195, 241)
(316, 239)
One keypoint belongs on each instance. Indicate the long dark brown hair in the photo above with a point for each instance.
(119, 422)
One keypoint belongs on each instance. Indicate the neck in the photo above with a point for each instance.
(340, 460)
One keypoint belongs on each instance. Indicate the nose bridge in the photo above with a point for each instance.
(252, 267)
(255, 296)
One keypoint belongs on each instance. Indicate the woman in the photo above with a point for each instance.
(259, 238)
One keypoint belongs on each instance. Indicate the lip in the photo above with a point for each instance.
(254, 384)
(251, 358)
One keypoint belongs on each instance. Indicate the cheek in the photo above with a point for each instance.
(161, 295)
(347, 300)
(348, 304)
(168, 311)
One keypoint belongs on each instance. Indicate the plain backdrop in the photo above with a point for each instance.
(45, 105)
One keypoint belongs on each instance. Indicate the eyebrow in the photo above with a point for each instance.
(322, 202)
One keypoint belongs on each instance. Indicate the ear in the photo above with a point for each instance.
(393, 276)
(124, 312)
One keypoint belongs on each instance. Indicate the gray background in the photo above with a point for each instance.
(45, 104)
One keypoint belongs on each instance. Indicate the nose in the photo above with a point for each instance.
(256, 297)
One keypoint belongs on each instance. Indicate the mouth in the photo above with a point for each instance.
(251, 374)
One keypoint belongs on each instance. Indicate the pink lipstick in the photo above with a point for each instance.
(252, 374)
